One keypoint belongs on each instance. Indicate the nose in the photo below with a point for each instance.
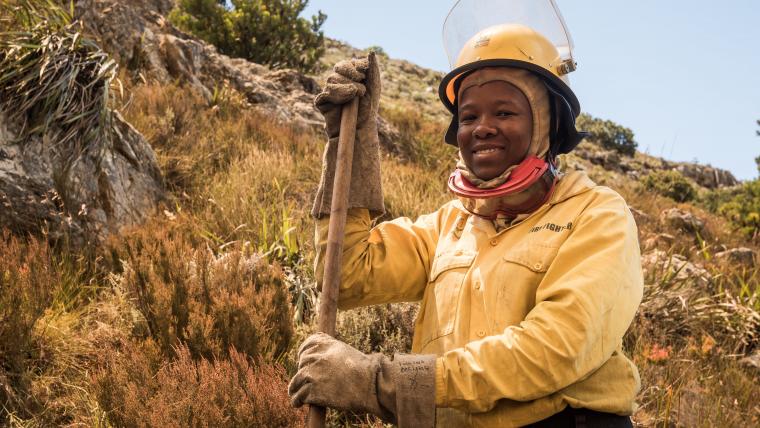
(483, 130)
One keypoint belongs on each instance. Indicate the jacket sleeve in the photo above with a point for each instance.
(385, 264)
(584, 305)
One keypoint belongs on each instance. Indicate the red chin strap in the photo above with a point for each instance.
(527, 172)
(533, 174)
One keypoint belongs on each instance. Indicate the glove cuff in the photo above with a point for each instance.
(406, 388)
(365, 189)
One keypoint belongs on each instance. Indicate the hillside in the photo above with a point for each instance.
(211, 293)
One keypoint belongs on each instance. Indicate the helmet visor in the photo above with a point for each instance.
(468, 17)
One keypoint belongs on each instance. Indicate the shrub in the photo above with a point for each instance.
(380, 328)
(378, 50)
(740, 205)
(27, 282)
(139, 389)
(670, 183)
(263, 31)
(46, 340)
(608, 134)
(211, 303)
(743, 208)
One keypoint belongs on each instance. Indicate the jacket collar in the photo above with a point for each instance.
(571, 184)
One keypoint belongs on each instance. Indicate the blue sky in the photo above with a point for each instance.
(683, 75)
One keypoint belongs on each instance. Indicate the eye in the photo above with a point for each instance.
(467, 118)
(504, 113)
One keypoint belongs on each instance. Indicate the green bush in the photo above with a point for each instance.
(263, 31)
(672, 184)
(608, 134)
(740, 206)
(378, 50)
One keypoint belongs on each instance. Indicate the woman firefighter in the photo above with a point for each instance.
(528, 280)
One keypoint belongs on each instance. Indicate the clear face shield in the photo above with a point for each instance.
(468, 17)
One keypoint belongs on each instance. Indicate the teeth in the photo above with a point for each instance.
(484, 151)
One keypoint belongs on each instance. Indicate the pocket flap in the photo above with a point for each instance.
(534, 256)
(450, 260)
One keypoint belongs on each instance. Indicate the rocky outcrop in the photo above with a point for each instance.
(682, 220)
(640, 165)
(707, 176)
(607, 159)
(138, 35)
(98, 193)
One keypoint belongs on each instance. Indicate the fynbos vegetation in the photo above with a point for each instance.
(211, 297)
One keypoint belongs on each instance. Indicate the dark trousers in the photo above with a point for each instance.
(583, 418)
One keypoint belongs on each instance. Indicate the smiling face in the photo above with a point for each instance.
(495, 128)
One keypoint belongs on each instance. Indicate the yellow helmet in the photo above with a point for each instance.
(492, 33)
(514, 45)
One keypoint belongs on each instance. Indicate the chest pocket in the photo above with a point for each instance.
(537, 257)
(509, 300)
(447, 274)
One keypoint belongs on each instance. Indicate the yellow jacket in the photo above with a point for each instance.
(525, 321)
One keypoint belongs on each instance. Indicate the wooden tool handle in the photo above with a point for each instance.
(328, 300)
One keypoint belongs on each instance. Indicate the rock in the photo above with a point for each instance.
(99, 197)
(707, 176)
(741, 255)
(682, 220)
(389, 136)
(607, 159)
(661, 241)
(660, 264)
(640, 216)
(751, 361)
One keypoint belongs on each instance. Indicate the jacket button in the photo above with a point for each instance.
(537, 266)
(481, 333)
(494, 242)
(460, 224)
(458, 252)
(477, 285)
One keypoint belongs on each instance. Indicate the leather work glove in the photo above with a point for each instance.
(334, 374)
(349, 79)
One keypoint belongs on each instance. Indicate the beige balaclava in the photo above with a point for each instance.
(538, 97)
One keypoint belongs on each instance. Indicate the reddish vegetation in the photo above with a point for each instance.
(142, 390)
